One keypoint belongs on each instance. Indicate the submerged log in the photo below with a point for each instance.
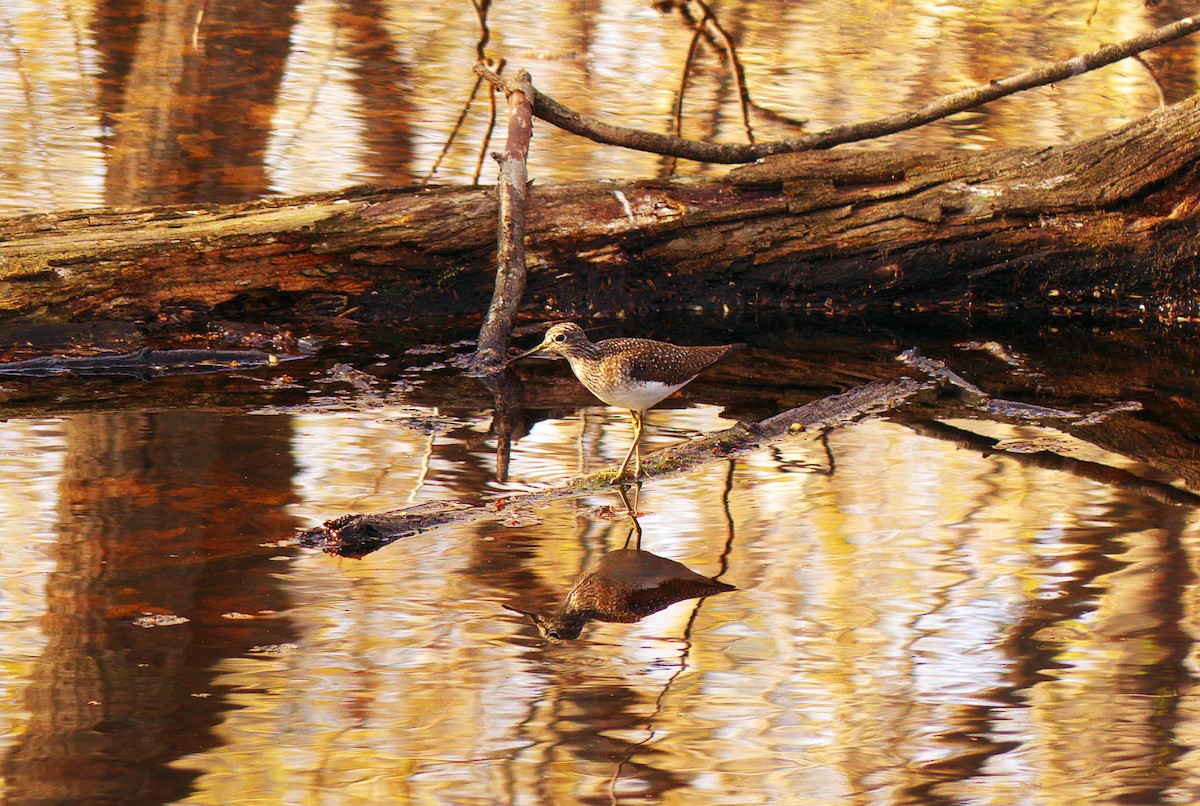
(355, 535)
(929, 406)
(1108, 224)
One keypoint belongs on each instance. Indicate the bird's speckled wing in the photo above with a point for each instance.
(668, 364)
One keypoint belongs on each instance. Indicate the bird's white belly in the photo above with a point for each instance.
(638, 396)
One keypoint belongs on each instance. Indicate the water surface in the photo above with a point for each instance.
(915, 620)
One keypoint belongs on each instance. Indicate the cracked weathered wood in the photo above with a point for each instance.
(1106, 224)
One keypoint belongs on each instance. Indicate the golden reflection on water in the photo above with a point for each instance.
(290, 96)
(30, 459)
(921, 623)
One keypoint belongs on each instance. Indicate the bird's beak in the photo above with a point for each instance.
(534, 617)
(537, 349)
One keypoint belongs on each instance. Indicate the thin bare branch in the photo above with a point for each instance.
(485, 34)
(677, 109)
(462, 117)
(510, 256)
(555, 113)
(196, 26)
(491, 128)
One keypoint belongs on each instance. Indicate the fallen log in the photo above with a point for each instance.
(1106, 225)
(145, 363)
(357, 535)
(923, 406)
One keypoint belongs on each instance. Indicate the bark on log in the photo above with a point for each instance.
(1108, 224)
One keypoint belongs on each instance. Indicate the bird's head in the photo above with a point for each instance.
(558, 628)
(561, 339)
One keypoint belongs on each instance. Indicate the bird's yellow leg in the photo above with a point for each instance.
(632, 512)
(637, 444)
(637, 433)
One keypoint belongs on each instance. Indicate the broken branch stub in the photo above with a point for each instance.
(510, 253)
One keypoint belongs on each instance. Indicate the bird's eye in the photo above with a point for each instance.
(560, 337)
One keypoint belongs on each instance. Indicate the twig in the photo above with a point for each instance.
(485, 35)
(689, 19)
(196, 26)
(462, 116)
(555, 113)
(510, 258)
(1162, 96)
(777, 116)
(481, 57)
(491, 127)
(700, 30)
(677, 109)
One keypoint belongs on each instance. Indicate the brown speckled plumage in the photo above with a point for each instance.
(634, 374)
(624, 586)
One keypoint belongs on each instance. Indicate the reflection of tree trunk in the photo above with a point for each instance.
(161, 513)
(381, 80)
(197, 103)
(1144, 629)
(115, 26)
(1124, 608)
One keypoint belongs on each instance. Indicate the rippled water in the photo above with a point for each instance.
(914, 620)
(244, 98)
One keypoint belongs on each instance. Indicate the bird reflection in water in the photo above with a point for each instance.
(624, 586)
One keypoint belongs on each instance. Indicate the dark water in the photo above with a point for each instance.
(940, 606)
(925, 611)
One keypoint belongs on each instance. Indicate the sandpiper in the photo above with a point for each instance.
(633, 374)
(622, 587)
